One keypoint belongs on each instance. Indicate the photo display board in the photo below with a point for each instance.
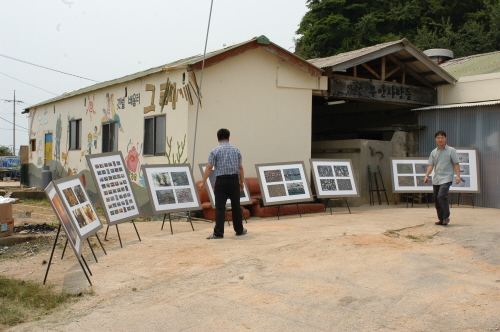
(171, 188)
(469, 171)
(67, 223)
(283, 183)
(333, 178)
(408, 173)
(210, 185)
(113, 186)
(78, 206)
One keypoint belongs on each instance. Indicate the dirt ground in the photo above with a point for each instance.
(381, 268)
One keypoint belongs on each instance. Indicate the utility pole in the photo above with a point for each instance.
(14, 116)
(14, 101)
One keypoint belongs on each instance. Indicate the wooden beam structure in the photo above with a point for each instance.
(409, 71)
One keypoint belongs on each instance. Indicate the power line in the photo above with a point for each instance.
(55, 94)
(13, 123)
(13, 129)
(58, 71)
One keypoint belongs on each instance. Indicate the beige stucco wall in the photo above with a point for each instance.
(264, 101)
(95, 108)
(268, 123)
(470, 89)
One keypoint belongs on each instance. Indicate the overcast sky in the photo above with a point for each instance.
(103, 40)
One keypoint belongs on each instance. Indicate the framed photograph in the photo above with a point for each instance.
(408, 174)
(171, 188)
(283, 183)
(113, 186)
(333, 178)
(469, 171)
(78, 206)
(210, 185)
(66, 222)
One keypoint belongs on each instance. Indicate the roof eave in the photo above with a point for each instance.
(393, 48)
(430, 64)
(367, 57)
(266, 45)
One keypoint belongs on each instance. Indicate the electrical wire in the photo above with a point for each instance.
(55, 94)
(201, 79)
(13, 129)
(57, 71)
(13, 123)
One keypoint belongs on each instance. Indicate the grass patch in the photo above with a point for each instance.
(37, 202)
(414, 238)
(24, 301)
(391, 233)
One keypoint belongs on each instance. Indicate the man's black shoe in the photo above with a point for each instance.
(243, 232)
(213, 237)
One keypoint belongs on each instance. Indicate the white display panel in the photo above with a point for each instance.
(171, 188)
(283, 183)
(333, 178)
(113, 186)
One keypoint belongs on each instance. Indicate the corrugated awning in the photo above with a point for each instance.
(484, 103)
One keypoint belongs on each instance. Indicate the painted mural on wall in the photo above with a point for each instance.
(90, 108)
(132, 159)
(65, 162)
(176, 157)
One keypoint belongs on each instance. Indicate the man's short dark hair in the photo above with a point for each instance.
(439, 132)
(223, 134)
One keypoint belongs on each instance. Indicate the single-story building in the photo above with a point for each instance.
(356, 105)
(256, 89)
(366, 113)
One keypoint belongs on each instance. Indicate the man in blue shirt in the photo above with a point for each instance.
(229, 182)
(443, 160)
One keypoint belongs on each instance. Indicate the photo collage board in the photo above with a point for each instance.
(408, 174)
(283, 183)
(210, 185)
(171, 188)
(113, 186)
(333, 178)
(78, 207)
(469, 171)
(66, 222)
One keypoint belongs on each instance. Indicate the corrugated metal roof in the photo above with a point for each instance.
(402, 49)
(474, 65)
(284, 54)
(179, 63)
(484, 103)
(343, 57)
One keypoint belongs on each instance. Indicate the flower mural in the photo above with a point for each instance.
(132, 159)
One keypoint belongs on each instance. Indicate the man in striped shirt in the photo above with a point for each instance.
(229, 182)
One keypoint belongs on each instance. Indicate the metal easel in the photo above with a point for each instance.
(117, 231)
(170, 221)
(78, 258)
(376, 189)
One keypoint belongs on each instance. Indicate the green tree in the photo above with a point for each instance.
(335, 26)
(5, 151)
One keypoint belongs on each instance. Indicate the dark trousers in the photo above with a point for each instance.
(227, 187)
(441, 198)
